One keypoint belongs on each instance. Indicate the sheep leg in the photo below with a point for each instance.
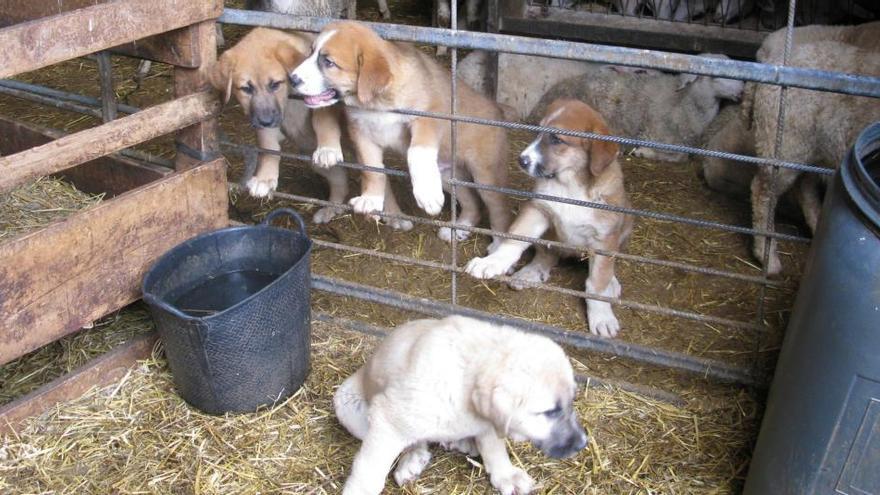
(765, 197)
(808, 198)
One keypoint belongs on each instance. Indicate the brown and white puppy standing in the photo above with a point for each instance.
(465, 384)
(579, 169)
(255, 70)
(350, 62)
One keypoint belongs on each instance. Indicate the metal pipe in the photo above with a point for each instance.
(64, 95)
(748, 71)
(588, 381)
(701, 366)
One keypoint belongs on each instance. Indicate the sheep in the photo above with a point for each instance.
(728, 132)
(325, 8)
(678, 110)
(470, 21)
(523, 79)
(819, 126)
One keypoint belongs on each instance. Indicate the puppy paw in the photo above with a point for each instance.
(400, 224)
(494, 245)
(466, 446)
(367, 204)
(326, 214)
(427, 183)
(261, 188)
(601, 319)
(326, 157)
(529, 273)
(514, 482)
(445, 233)
(486, 267)
(411, 464)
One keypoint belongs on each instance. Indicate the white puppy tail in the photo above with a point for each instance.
(351, 405)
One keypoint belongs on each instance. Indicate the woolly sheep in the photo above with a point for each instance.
(819, 127)
(655, 106)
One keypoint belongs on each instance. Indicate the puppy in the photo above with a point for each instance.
(467, 384)
(255, 71)
(350, 62)
(573, 168)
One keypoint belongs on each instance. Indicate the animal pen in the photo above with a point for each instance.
(700, 321)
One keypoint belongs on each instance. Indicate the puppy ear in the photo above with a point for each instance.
(374, 75)
(494, 401)
(289, 56)
(601, 153)
(220, 76)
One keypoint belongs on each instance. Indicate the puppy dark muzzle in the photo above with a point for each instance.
(567, 438)
(294, 79)
(265, 118)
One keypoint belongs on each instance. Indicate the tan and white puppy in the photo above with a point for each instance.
(573, 168)
(351, 63)
(255, 71)
(465, 384)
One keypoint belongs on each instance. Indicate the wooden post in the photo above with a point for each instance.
(197, 143)
(108, 93)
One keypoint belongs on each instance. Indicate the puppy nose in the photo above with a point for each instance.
(525, 161)
(266, 120)
(295, 80)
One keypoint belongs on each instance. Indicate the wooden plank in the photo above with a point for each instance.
(175, 47)
(111, 175)
(113, 136)
(34, 44)
(200, 138)
(109, 108)
(99, 372)
(61, 278)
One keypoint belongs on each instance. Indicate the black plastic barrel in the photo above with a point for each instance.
(821, 430)
(232, 307)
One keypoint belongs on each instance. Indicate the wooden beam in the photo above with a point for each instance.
(35, 44)
(178, 48)
(201, 138)
(58, 279)
(104, 139)
(99, 372)
(111, 175)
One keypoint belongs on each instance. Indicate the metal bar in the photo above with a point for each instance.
(701, 366)
(453, 194)
(497, 123)
(653, 308)
(543, 242)
(588, 381)
(748, 71)
(528, 194)
(108, 95)
(620, 140)
(64, 95)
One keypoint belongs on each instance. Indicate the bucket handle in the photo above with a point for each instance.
(285, 211)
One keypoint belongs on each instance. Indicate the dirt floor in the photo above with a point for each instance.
(699, 445)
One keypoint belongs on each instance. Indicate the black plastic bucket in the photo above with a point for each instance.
(232, 307)
(821, 430)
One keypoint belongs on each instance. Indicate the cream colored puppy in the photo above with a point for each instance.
(466, 384)
(573, 168)
(351, 63)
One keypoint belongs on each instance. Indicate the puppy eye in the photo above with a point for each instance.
(274, 85)
(326, 62)
(247, 89)
(553, 413)
(554, 139)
